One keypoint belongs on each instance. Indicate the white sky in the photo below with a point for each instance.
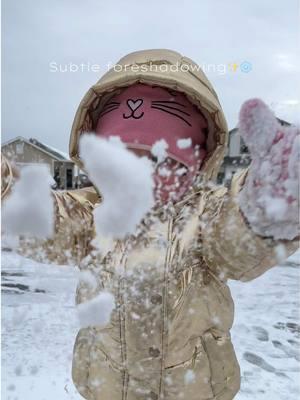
(41, 104)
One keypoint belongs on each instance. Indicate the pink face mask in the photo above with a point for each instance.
(142, 115)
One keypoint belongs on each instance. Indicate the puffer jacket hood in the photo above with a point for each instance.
(164, 68)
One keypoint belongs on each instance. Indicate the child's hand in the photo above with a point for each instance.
(270, 197)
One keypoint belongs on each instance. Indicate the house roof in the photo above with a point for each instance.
(54, 153)
(50, 149)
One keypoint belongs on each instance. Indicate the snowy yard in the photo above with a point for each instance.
(39, 325)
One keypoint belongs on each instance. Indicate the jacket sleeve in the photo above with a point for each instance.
(74, 228)
(230, 248)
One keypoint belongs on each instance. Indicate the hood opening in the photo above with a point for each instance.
(193, 84)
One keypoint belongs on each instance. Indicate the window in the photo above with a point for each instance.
(220, 177)
(69, 178)
(244, 149)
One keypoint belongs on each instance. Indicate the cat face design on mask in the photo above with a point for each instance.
(142, 114)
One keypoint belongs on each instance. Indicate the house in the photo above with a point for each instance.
(30, 151)
(237, 156)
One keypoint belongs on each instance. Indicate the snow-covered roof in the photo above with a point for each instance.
(62, 153)
(50, 149)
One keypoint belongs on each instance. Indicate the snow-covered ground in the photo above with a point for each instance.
(39, 325)
(266, 333)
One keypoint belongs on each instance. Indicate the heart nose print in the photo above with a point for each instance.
(134, 104)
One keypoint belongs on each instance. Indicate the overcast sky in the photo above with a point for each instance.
(35, 33)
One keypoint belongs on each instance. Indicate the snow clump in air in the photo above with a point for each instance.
(159, 150)
(184, 143)
(29, 209)
(124, 181)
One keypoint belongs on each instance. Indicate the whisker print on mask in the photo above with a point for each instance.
(106, 111)
(168, 101)
(113, 104)
(169, 112)
(172, 108)
(110, 105)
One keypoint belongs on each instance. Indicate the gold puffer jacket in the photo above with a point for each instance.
(169, 335)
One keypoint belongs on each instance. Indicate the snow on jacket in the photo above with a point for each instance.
(169, 335)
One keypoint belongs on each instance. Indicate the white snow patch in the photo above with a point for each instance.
(280, 252)
(18, 370)
(96, 312)
(294, 159)
(125, 182)
(164, 171)
(18, 317)
(11, 387)
(103, 244)
(216, 320)
(181, 171)
(96, 383)
(159, 150)
(135, 316)
(88, 278)
(189, 377)
(184, 143)
(34, 370)
(168, 380)
(116, 140)
(29, 208)
(276, 208)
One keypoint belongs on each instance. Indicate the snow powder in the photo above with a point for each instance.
(96, 312)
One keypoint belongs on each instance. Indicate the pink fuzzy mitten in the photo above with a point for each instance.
(269, 199)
